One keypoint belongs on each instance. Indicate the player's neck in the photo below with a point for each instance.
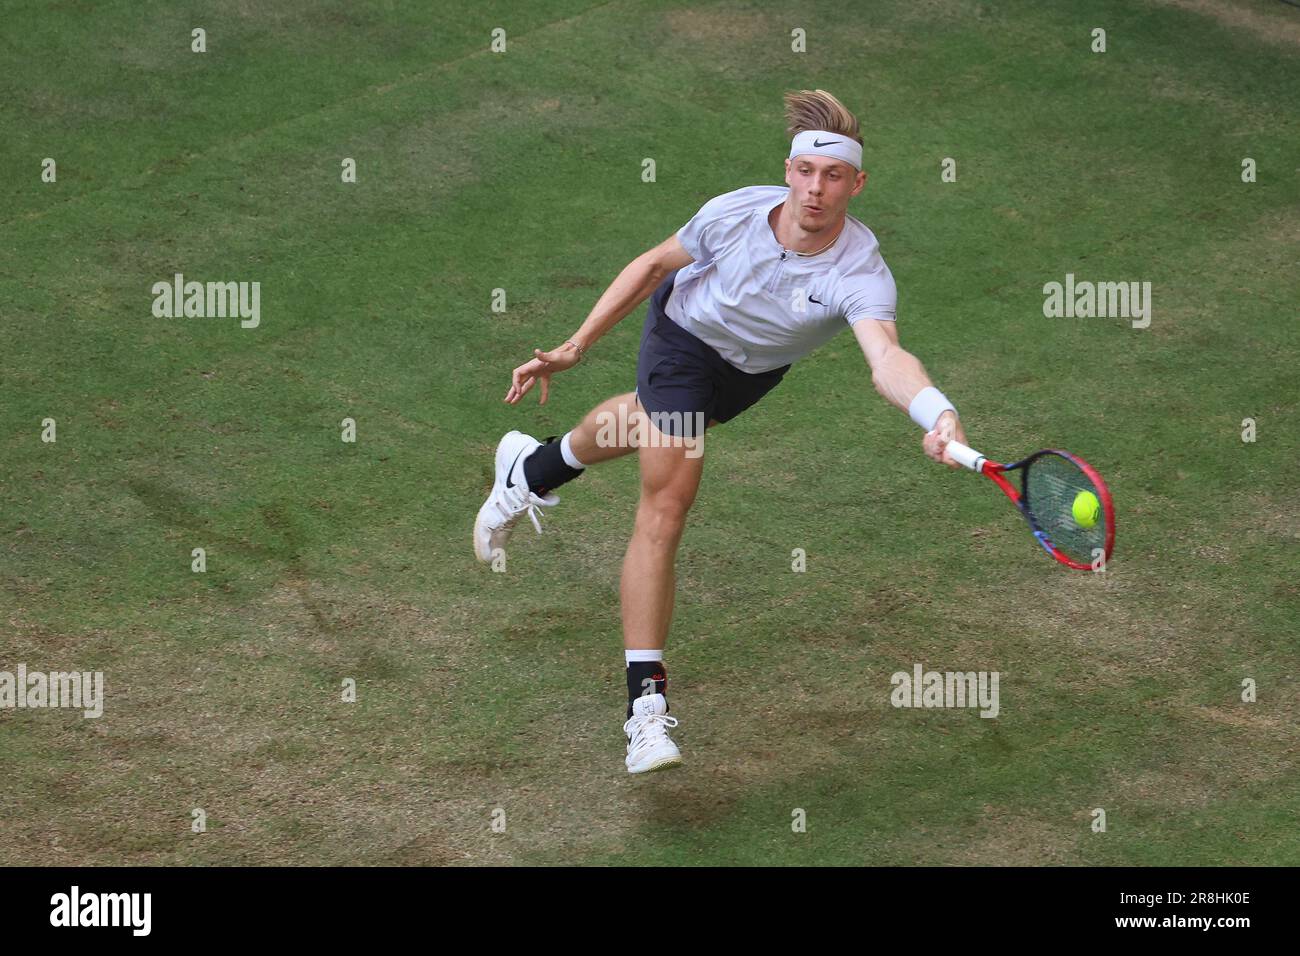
(791, 236)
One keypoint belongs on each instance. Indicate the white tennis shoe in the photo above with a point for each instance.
(648, 745)
(510, 499)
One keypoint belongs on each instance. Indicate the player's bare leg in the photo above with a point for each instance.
(669, 480)
(598, 437)
(670, 477)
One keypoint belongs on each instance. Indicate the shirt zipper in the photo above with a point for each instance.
(776, 273)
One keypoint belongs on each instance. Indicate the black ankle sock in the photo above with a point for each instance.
(640, 674)
(545, 469)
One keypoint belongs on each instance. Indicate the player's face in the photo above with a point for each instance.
(820, 190)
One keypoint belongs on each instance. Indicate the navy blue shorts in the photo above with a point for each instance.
(683, 382)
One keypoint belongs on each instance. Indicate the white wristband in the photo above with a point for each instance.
(928, 405)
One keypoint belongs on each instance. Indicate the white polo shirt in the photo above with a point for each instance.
(761, 306)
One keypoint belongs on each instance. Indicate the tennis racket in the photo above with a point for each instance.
(1065, 501)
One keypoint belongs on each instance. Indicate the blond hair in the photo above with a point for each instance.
(816, 109)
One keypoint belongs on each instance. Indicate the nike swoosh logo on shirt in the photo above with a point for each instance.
(817, 142)
(818, 301)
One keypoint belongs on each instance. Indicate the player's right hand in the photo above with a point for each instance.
(540, 369)
(935, 443)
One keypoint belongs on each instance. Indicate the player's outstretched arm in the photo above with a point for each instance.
(900, 378)
(634, 285)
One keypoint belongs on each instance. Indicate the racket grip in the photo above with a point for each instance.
(965, 456)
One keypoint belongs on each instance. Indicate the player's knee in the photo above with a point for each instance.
(662, 516)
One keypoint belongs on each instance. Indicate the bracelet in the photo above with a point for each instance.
(582, 353)
(927, 406)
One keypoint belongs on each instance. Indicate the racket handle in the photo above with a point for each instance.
(965, 455)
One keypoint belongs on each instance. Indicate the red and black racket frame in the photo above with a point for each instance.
(998, 472)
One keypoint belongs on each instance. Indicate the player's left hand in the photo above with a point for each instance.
(935, 442)
(540, 369)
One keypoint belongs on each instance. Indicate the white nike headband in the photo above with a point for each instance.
(818, 142)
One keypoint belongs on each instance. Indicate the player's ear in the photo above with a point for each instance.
(862, 183)
(787, 171)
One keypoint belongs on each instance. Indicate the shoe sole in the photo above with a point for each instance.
(496, 483)
(666, 763)
(474, 543)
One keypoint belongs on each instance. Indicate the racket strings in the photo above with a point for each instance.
(1052, 485)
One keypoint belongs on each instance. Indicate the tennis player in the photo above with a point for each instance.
(758, 278)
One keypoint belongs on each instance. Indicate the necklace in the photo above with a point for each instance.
(775, 214)
(823, 248)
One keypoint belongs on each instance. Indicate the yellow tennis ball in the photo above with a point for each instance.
(1086, 510)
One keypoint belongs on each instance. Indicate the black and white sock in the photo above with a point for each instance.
(551, 465)
(645, 676)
